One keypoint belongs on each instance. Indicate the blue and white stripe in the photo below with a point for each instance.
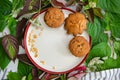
(112, 74)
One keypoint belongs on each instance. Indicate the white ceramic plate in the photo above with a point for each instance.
(47, 47)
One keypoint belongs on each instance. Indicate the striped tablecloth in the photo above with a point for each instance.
(112, 74)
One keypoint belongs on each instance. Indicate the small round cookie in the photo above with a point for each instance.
(75, 23)
(79, 46)
(54, 17)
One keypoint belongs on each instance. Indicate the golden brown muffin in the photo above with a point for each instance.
(54, 17)
(79, 46)
(75, 23)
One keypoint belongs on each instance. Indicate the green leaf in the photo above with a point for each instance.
(12, 23)
(110, 5)
(2, 22)
(30, 76)
(102, 38)
(93, 1)
(63, 77)
(4, 59)
(5, 7)
(13, 76)
(114, 17)
(110, 63)
(117, 47)
(114, 24)
(107, 20)
(24, 69)
(11, 50)
(96, 31)
(115, 28)
(17, 4)
(100, 50)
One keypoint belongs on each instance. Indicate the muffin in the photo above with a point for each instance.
(79, 46)
(54, 17)
(75, 23)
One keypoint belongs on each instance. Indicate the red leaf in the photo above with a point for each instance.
(10, 44)
(26, 9)
(80, 5)
(61, 3)
(56, 3)
(90, 14)
(97, 12)
(23, 58)
(20, 27)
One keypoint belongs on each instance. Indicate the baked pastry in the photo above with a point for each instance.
(54, 17)
(75, 23)
(79, 46)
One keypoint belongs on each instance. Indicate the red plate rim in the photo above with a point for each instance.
(39, 67)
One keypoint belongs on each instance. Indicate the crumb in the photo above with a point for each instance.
(42, 62)
(53, 67)
(34, 36)
(33, 49)
(40, 33)
(42, 29)
(32, 31)
(32, 41)
(29, 37)
(37, 28)
(32, 45)
(35, 55)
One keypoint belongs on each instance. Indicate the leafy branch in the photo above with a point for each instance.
(105, 31)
